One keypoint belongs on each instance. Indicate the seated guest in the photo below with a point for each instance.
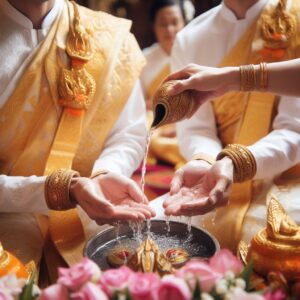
(246, 138)
(72, 126)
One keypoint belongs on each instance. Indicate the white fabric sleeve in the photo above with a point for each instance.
(22, 194)
(280, 149)
(199, 133)
(125, 146)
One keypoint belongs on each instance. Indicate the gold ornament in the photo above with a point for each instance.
(277, 247)
(10, 264)
(278, 27)
(76, 86)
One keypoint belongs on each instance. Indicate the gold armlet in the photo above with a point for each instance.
(57, 188)
(206, 157)
(97, 173)
(243, 161)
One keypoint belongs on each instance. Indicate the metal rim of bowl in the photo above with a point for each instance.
(91, 240)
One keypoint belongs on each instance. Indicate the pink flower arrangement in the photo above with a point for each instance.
(218, 278)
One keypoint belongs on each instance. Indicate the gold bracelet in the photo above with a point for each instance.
(97, 173)
(263, 76)
(205, 157)
(57, 188)
(248, 78)
(243, 161)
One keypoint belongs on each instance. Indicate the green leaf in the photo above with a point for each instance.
(246, 274)
(197, 292)
(127, 294)
(28, 289)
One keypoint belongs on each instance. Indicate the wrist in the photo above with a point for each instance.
(244, 163)
(231, 78)
(57, 189)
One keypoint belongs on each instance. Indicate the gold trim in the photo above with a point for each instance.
(205, 157)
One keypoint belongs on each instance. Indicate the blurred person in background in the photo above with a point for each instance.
(167, 17)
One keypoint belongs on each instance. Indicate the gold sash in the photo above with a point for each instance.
(30, 118)
(242, 118)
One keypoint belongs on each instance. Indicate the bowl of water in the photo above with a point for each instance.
(197, 242)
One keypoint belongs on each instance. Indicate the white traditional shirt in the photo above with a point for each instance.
(205, 41)
(157, 59)
(124, 147)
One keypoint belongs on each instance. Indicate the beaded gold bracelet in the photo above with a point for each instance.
(205, 157)
(243, 161)
(57, 188)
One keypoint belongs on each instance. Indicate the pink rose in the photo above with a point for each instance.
(12, 284)
(277, 295)
(198, 270)
(115, 280)
(56, 291)
(77, 275)
(239, 294)
(4, 295)
(143, 286)
(174, 288)
(224, 261)
(89, 291)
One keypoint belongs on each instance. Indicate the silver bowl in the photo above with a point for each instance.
(199, 243)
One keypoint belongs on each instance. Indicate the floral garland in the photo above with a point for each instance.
(221, 277)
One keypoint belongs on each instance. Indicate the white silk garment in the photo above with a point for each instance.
(21, 196)
(205, 41)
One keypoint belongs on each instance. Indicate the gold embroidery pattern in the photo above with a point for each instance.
(278, 27)
(77, 87)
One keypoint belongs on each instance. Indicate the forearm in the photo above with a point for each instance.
(283, 78)
(22, 194)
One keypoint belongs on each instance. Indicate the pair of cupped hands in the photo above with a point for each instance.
(196, 189)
